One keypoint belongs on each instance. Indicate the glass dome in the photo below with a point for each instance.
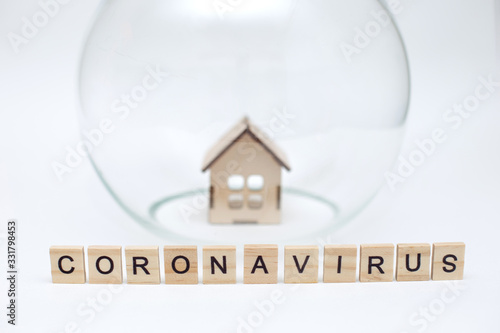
(326, 80)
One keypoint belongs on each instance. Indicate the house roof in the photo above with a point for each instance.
(242, 127)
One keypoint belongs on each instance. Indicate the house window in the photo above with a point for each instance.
(255, 182)
(235, 201)
(255, 201)
(235, 182)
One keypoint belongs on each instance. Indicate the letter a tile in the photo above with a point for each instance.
(261, 264)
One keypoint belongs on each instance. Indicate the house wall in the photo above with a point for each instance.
(245, 157)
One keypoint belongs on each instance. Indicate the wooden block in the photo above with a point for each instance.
(219, 264)
(339, 263)
(67, 264)
(105, 264)
(260, 264)
(143, 264)
(413, 262)
(243, 189)
(448, 261)
(376, 263)
(301, 264)
(181, 264)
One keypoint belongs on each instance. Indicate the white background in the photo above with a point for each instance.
(453, 196)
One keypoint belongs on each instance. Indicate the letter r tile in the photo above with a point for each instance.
(143, 264)
(376, 263)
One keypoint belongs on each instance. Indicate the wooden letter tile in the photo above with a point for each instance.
(376, 263)
(143, 264)
(105, 264)
(301, 264)
(67, 264)
(413, 262)
(181, 264)
(339, 263)
(260, 264)
(448, 261)
(219, 264)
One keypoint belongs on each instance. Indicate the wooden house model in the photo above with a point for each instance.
(245, 177)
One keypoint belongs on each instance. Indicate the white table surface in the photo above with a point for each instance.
(453, 196)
